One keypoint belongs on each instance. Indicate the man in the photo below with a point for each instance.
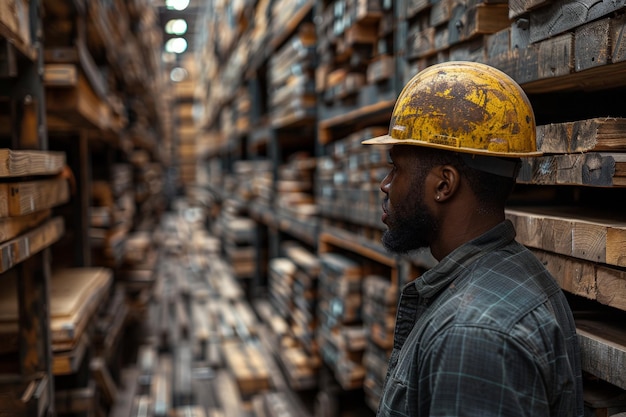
(487, 331)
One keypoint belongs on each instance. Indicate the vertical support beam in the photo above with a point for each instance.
(82, 202)
(33, 276)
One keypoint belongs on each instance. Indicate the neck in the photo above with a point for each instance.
(459, 229)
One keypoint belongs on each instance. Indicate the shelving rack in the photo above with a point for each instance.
(572, 70)
(82, 102)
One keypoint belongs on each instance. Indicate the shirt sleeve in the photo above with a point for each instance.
(476, 371)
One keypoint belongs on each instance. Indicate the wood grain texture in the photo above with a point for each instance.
(599, 134)
(22, 163)
(21, 198)
(572, 232)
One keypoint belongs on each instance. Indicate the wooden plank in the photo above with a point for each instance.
(68, 362)
(591, 280)
(27, 197)
(603, 348)
(592, 45)
(24, 246)
(11, 227)
(563, 15)
(468, 23)
(618, 38)
(572, 232)
(590, 169)
(599, 134)
(23, 163)
(518, 8)
(75, 294)
(556, 57)
(247, 364)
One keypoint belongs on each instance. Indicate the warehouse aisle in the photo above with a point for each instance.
(202, 350)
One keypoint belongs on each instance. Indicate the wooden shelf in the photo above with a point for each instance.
(378, 112)
(603, 347)
(23, 247)
(354, 243)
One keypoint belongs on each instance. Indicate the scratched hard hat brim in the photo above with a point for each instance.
(389, 140)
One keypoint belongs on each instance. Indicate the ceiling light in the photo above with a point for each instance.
(178, 74)
(177, 4)
(176, 27)
(176, 45)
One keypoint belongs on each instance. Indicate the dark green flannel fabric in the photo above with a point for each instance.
(486, 332)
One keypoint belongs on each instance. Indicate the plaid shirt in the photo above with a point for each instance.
(486, 332)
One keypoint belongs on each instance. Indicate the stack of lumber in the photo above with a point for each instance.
(291, 79)
(451, 30)
(112, 214)
(292, 290)
(280, 281)
(148, 185)
(348, 180)
(238, 234)
(380, 296)
(294, 186)
(33, 184)
(341, 335)
(252, 180)
(284, 14)
(356, 63)
(76, 296)
(303, 315)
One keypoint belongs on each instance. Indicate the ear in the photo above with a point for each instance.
(448, 180)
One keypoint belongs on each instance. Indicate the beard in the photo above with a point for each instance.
(411, 227)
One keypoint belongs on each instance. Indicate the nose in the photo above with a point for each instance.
(384, 184)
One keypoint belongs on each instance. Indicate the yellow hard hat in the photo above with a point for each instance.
(465, 107)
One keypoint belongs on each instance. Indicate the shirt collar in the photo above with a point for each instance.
(449, 268)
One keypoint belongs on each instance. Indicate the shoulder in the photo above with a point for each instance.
(503, 287)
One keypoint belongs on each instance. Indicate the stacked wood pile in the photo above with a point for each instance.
(291, 79)
(238, 235)
(76, 297)
(252, 181)
(380, 296)
(34, 182)
(294, 186)
(341, 335)
(292, 294)
(348, 181)
(356, 62)
(148, 182)
(112, 214)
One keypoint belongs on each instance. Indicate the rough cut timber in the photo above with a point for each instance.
(572, 232)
